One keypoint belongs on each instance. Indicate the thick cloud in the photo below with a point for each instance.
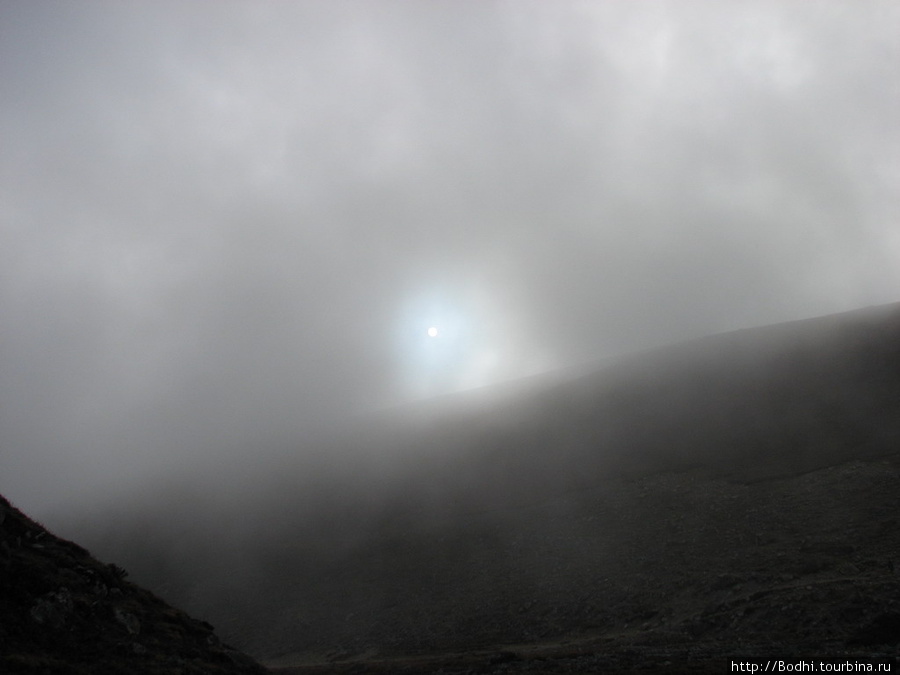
(224, 222)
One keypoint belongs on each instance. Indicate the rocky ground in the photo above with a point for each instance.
(670, 572)
(63, 612)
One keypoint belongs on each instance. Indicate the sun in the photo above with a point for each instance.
(432, 331)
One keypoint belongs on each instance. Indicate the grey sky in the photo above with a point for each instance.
(225, 221)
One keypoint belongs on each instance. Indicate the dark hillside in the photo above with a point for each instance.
(62, 611)
(748, 405)
(738, 492)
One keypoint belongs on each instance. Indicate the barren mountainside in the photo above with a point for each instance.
(62, 611)
(732, 495)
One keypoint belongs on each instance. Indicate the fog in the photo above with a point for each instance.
(510, 516)
(226, 228)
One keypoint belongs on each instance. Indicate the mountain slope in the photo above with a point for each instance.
(734, 490)
(674, 566)
(62, 611)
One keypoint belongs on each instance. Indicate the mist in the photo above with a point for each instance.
(556, 507)
(226, 228)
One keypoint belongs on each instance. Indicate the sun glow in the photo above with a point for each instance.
(465, 335)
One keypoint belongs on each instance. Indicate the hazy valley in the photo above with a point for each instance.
(732, 494)
(371, 333)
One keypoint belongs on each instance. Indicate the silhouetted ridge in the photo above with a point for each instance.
(746, 405)
(734, 491)
(749, 404)
(62, 611)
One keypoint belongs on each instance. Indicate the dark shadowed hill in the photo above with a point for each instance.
(62, 611)
(732, 495)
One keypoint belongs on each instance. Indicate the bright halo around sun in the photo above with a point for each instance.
(451, 339)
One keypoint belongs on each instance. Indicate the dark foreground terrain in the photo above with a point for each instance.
(62, 611)
(730, 498)
(674, 572)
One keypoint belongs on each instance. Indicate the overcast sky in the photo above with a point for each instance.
(225, 220)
